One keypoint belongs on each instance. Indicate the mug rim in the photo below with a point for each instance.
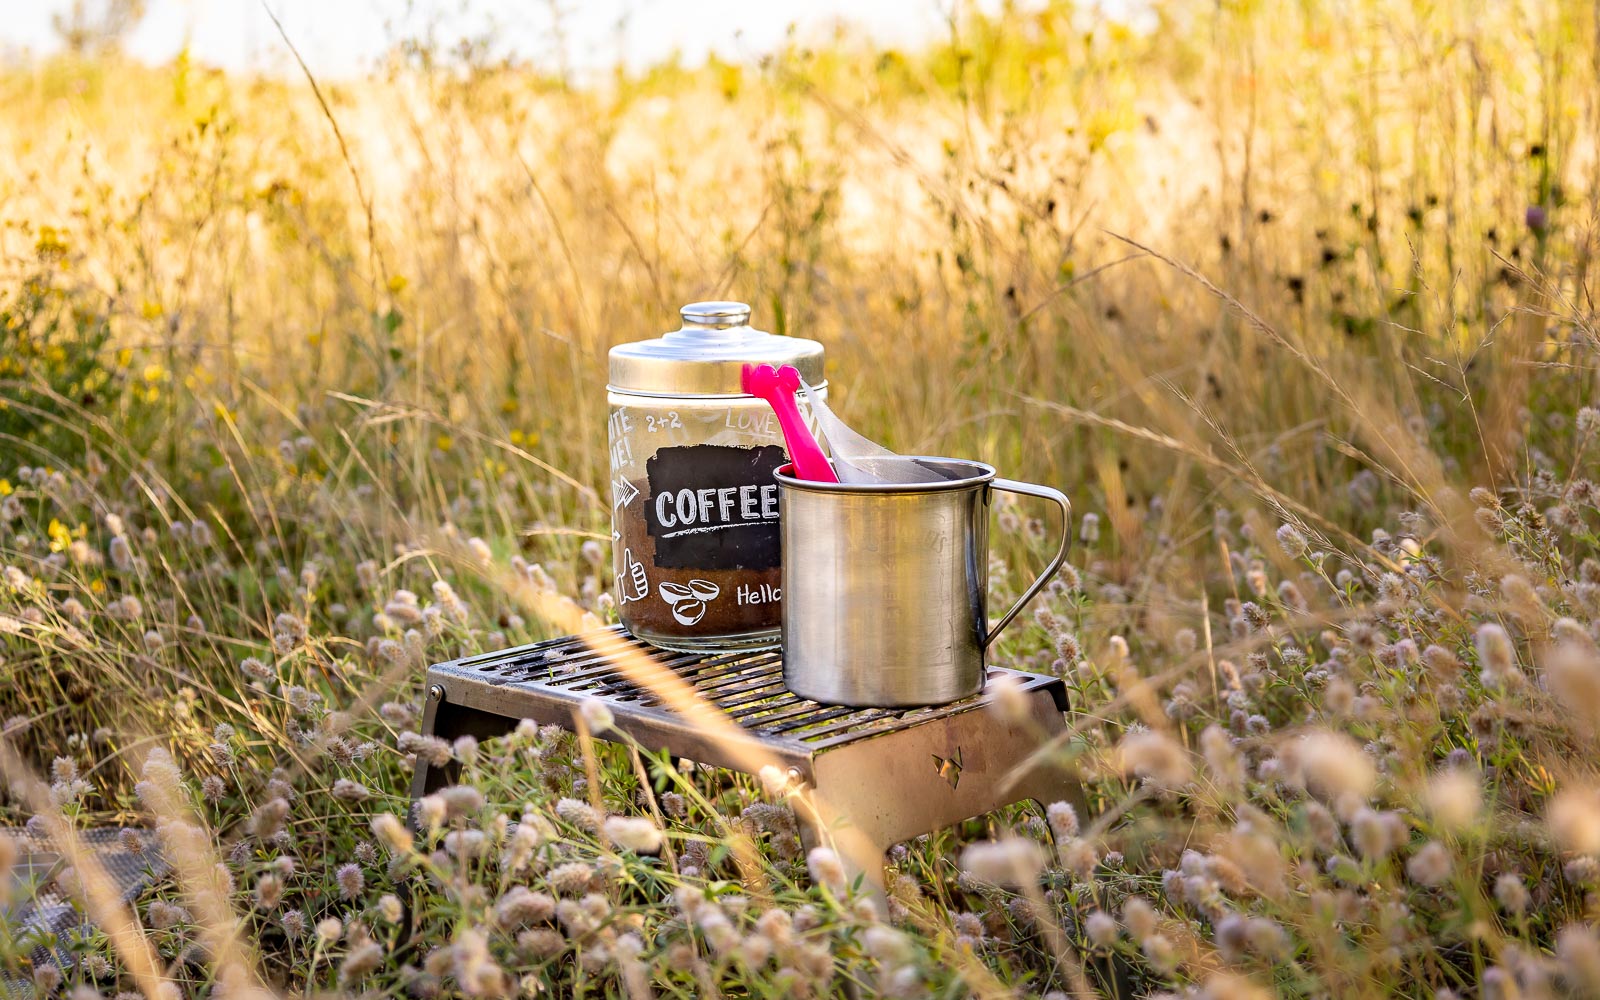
(983, 473)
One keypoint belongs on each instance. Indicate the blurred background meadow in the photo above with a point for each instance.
(302, 388)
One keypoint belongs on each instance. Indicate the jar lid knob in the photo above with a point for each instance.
(716, 315)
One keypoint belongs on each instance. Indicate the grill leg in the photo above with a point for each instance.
(1046, 783)
(862, 856)
(449, 722)
(908, 783)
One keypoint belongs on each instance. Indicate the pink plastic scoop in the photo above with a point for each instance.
(777, 387)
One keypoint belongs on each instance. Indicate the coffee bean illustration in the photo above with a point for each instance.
(674, 593)
(705, 590)
(689, 612)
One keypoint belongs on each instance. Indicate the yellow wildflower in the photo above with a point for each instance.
(60, 536)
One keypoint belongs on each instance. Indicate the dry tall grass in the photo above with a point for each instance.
(1321, 268)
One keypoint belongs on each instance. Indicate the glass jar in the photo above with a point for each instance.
(694, 515)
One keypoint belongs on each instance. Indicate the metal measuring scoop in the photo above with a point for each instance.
(859, 460)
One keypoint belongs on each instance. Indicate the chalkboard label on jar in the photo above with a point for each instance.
(714, 506)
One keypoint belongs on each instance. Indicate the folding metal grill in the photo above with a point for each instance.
(894, 773)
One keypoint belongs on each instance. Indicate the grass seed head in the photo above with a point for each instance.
(1010, 861)
(887, 945)
(578, 813)
(1431, 865)
(1573, 818)
(570, 879)
(346, 790)
(633, 833)
(1496, 656)
(350, 879)
(1511, 893)
(1140, 918)
(461, 801)
(430, 812)
(269, 891)
(1334, 766)
(826, 868)
(1079, 856)
(8, 855)
(1454, 798)
(163, 915)
(360, 963)
(1374, 833)
(1572, 674)
(1161, 953)
(596, 715)
(1006, 699)
(541, 943)
(1223, 763)
(269, 817)
(1267, 938)
(1100, 928)
(466, 845)
(1155, 757)
(388, 828)
(429, 749)
(521, 907)
(1292, 541)
(1578, 952)
(1063, 819)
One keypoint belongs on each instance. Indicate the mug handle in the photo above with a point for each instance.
(1060, 500)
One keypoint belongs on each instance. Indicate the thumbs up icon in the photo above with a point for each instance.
(632, 584)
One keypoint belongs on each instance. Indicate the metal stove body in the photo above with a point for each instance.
(895, 773)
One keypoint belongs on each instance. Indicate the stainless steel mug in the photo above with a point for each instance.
(885, 586)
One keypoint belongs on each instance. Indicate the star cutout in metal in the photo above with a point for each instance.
(949, 768)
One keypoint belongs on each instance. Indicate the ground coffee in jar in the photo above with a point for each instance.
(694, 504)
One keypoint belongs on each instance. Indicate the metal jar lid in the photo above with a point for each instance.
(705, 358)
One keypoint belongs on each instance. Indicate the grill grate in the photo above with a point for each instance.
(745, 686)
(891, 774)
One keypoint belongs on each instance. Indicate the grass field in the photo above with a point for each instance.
(303, 389)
